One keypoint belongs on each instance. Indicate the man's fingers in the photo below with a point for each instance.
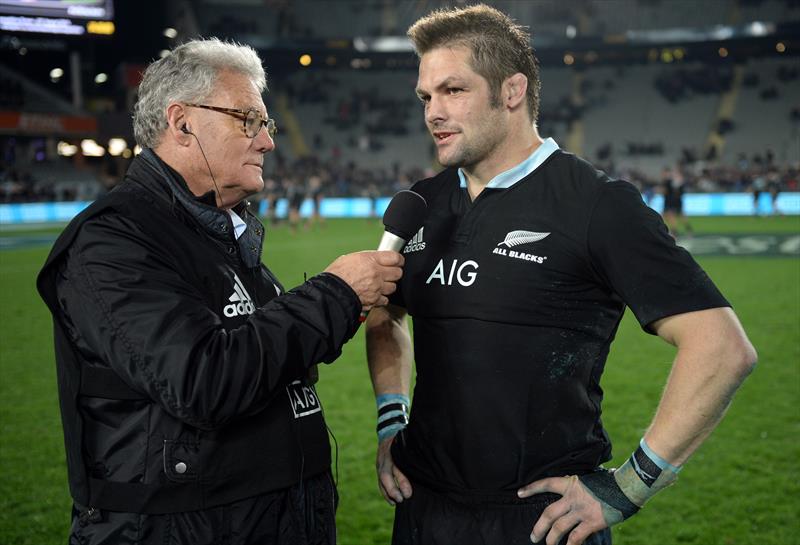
(388, 258)
(579, 534)
(402, 482)
(552, 513)
(390, 486)
(385, 466)
(388, 288)
(555, 485)
(577, 514)
(391, 274)
(371, 274)
(386, 495)
(561, 527)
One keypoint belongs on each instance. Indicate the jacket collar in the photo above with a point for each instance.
(150, 170)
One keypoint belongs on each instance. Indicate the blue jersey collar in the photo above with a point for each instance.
(506, 179)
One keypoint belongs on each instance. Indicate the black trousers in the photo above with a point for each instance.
(430, 518)
(303, 514)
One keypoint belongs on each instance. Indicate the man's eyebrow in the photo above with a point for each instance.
(451, 80)
(447, 82)
(244, 106)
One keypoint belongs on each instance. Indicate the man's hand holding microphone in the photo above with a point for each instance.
(373, 274)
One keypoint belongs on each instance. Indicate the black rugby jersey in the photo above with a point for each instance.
(515, 299)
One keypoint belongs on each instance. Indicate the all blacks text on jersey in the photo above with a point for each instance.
(519, 255)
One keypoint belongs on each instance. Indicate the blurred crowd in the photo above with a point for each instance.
(757, 173)
(314, 178)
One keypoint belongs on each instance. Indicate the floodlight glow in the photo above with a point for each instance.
(65, 149)
(116, 146)
(90, 148)
(757, 28)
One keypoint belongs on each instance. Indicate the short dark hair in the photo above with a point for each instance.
(500, 48)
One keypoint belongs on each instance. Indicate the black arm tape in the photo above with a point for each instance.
(602, 484)
(402, 419)
(392, 407)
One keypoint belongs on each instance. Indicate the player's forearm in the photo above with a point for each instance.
(714, 357)
(389, 351)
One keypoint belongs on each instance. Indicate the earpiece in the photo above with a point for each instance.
(185, 129)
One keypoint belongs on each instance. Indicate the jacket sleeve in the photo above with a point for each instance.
(127, 305)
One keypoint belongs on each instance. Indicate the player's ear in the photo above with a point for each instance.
(514, 89)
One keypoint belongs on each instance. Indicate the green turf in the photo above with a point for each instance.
(740, 488)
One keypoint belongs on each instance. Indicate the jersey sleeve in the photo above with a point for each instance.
(632, 252)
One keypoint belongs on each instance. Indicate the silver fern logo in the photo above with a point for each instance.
(515, 238)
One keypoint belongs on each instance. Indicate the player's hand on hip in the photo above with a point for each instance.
(394, 486)
(578, 513)
(371, 274)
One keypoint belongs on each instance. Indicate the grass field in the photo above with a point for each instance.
(741, 488)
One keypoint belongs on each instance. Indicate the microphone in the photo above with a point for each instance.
(403, 218)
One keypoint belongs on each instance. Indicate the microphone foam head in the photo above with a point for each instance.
(405, 214)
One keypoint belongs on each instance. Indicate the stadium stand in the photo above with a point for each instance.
(763, 119)
(371, 118)
(351, 125)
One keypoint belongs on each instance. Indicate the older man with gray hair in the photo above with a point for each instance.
(185, 370)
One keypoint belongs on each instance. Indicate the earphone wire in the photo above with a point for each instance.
(207, 164)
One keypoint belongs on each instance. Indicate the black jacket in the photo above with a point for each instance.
(181, 361)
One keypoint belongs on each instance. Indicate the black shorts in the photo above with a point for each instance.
(296, 201)
(430, 518)
(673, 205)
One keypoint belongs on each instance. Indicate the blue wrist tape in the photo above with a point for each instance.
(392, 414)
(658, 460)
(644, 474)
(624, 491)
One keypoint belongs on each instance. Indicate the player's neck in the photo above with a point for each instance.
(513, 150)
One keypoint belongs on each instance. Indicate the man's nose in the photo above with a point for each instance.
(434, 110)
(263, 141)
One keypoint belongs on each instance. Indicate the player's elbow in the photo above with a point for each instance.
(732, 348)
(749, 359)
(741, 357)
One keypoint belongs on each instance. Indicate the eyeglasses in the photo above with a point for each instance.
(252, 119)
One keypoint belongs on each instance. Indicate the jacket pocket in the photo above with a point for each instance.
(182, 460)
